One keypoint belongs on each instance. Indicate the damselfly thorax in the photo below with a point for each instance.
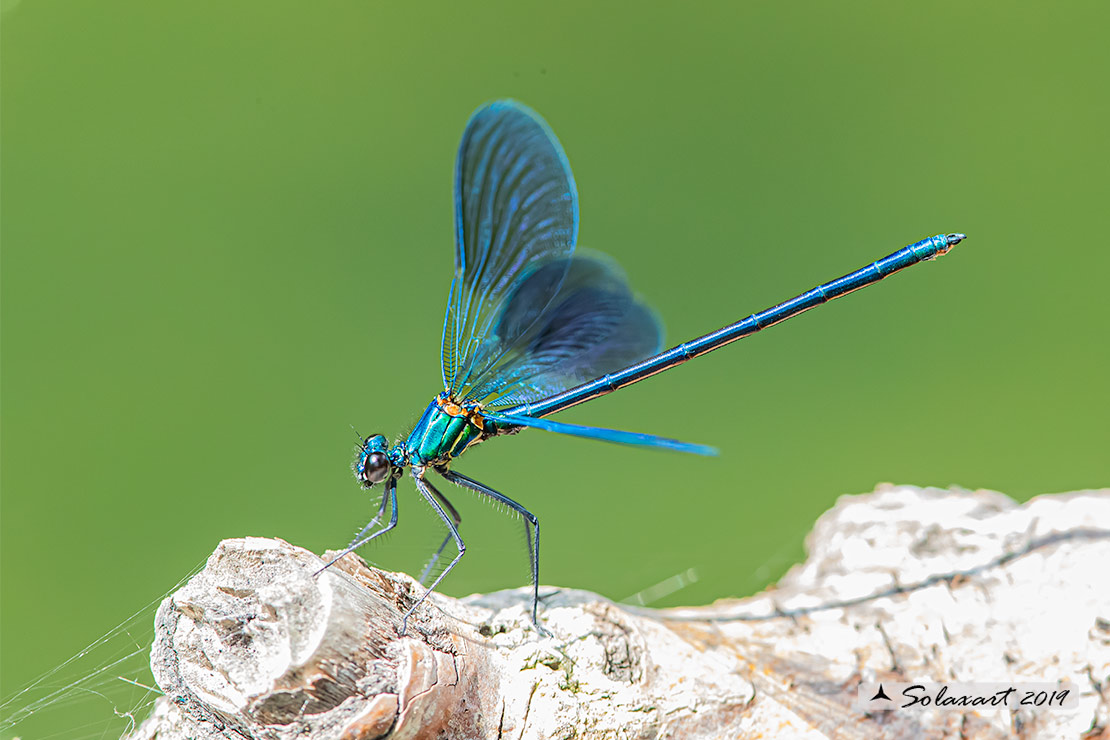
(447, 429)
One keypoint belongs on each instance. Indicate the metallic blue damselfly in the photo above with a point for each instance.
(533, 328)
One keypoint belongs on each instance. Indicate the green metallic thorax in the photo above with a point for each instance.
(439, 436)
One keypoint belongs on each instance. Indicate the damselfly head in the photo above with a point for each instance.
(373, 464)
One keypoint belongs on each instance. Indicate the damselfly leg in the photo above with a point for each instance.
(428, 491)
(532, 535)
(362, 538)
(439, 551)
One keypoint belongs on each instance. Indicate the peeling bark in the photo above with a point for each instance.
(903, 584)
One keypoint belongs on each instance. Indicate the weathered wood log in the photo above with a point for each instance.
(903, 584)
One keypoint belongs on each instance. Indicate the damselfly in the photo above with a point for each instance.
(533, 328)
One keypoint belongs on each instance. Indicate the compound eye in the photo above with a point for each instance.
(376, 468)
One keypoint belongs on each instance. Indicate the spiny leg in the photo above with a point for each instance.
(428, 491)
(458, 520)
(362, 538)
(373, 522)
(434, 559)
(532, 536)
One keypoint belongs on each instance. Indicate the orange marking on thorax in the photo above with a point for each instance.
(451, 407)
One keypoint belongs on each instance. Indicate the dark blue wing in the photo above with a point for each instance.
(515, 207)
(591, 325)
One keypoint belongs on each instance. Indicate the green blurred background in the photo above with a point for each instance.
(227, 237)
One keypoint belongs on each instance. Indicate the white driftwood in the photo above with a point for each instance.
(903, 584)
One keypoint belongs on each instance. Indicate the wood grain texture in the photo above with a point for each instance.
(903, 584)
